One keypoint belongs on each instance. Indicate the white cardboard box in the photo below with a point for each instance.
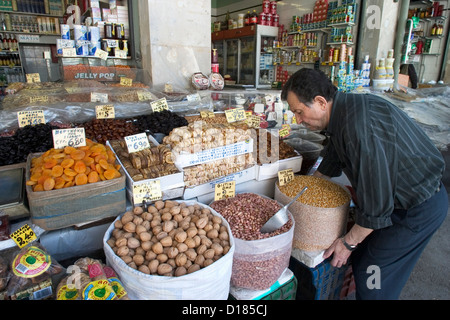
(270, 170)
(206, 188)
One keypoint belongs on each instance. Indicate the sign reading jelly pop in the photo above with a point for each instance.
(137, 142)
(75, 137)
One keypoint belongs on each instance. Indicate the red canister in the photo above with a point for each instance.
(276, 20)
(269, 19)
(266, 6)
(262, 19)
(273, 7)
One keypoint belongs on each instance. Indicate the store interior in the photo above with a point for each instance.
(125, 126)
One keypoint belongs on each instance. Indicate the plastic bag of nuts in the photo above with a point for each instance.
(175, 250)
(260, 258)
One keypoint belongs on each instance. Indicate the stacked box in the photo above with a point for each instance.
(6, 5)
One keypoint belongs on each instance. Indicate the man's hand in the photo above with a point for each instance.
(340, 253)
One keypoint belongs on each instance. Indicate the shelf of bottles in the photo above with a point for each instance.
(29, 24)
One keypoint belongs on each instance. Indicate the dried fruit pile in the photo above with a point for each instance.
(63, 168)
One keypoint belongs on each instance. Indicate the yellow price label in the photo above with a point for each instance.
(253, 121)
(284, 132)
(144, 95)
(127, 82)
(285, 176)
(224, 190)
(148, 191)
(159, 105)
(33, 78)
(23, 236)
(234, 115)
(105, 112)
(26, 118)
(35, 99)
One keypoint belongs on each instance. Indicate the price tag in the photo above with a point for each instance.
(225, 190)
(26, 118)
(23, 236)
(75, 137)
(105, 112)
(127, 82)
(69, 52)
(35, 99)
(285, 131)
(254, 121)
(234, 115)
(159, 105)
(207, 114)
(193, 97)
(101, 54)
(148, 191)
(144, 95)
(33, 78)
(99, 97)
(285, 176)
(121, 54)
(137, 142)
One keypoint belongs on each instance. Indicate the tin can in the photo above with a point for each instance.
(262, 19)
(80, 32)
(273, 7)
(266, 6)
(276, 20)
(269, 19)
(65, 31)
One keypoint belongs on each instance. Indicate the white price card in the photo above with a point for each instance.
(75, 137)
(195, 97)
(33, 78)
(127, 82)
(121, 54)
(137, 142)
(69, 52)
(26, 118)
(101, 54)
(234, 115)
(224, 190)
(285, 176)
(148, 191)
(105, 112)
(144, 95)
(159, 105)
(99, 97)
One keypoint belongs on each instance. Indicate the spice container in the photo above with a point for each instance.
(259, 258)
(320, 214)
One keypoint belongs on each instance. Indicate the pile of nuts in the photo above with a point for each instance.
(321, 193)
(170, 238)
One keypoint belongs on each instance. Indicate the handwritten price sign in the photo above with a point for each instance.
(148, 191)
(26, 118)
(23, 236)
(224, 190)
(105, 112)
(285, 176)
(234, 115)
(75, 137)
(33, 78)
(159, 105)
(137, 142)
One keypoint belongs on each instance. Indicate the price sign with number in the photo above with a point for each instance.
(254, 121)
(234, 115)
(137, 142)
(99, 97)
(75, 137)
(69, 52)
(148, 191)
(105, 112)
(126, 82)
(144, 95)
(23, 236)
(159, 105)
(121, 54)
(35, 99)
(26, 118)
(285, 176)
(224, 190)
(101, 54)
(285, 131)
(33, 78)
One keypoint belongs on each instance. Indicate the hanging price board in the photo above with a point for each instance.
(105, 112)
(285, 176)
(101, 54)
(126, 82)
(224, 190)
(23, 236)
(148, 191)
(33, 78)
(26, 118)
(137, 142)
(99, 97)
(159, 105)
(234, 115)
(75, 137)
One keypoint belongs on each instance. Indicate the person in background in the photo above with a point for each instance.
(394, 169)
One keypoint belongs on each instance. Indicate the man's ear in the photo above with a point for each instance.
(321, 101)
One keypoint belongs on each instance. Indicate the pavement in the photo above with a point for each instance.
(430, 279)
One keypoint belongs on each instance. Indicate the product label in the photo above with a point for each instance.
(23, 236)
(65, 293)
(33, 78)
(99, 97)
(117, 286)
(99, 290)
(127, 82)
(31, 263)
(75, 137)
(148, 191)
(224, 190)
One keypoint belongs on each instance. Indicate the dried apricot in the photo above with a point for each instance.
(78, 155)
(81, 179)
(104, 164)
(57, 171)
(88, 161)
(93, 177)
(110, 174)
(70, 172)
(38, 188)
(79, 167)
(49, 184)
(67, 163)
(50, 163)
(69, 150)
(59, 183)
